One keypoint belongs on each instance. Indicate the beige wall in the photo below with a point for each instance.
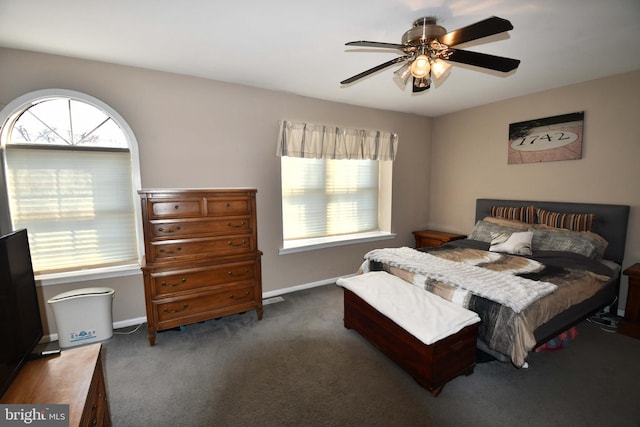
(201, 133)
(469, 156)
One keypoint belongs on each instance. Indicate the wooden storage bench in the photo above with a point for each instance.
(431, 365)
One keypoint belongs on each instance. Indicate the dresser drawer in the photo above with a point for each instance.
(190, 228)
(228, 206)
(184, 308)
(175, 208)
(92, 406)
(175, 250)
(169, 283)
(96, 412)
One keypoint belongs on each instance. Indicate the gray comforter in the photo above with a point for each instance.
(502, 329)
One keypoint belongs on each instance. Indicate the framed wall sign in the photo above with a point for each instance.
(546, 140)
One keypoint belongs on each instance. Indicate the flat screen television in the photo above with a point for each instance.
(20, 323)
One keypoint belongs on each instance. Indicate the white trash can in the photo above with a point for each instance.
(83, 316)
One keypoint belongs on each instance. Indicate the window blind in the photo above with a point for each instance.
(322, 197)
(76, 205)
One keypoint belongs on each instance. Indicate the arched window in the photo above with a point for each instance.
(70, 174)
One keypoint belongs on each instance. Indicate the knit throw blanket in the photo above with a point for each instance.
(512, 291)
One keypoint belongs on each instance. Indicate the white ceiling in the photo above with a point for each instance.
(297, 46)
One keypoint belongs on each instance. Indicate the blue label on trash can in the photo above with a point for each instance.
(82, 335)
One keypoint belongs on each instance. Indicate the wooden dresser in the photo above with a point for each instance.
(630, 325)
(75, 377)
(202, 258)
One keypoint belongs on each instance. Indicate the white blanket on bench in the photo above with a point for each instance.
(424, 315)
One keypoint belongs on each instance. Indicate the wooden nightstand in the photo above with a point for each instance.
(630, 325)
(425, 238)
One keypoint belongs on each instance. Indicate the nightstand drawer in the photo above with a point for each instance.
(630, 325)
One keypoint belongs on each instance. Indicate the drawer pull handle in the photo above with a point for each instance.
(233, 296)
(177, 310)
(173, 285)
(244, 242)
(242, 224)
(164, 251)
(176, 207)
(228, 205)
(161, 229)
(244, 273)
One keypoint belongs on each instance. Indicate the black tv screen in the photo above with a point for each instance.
(20, 324)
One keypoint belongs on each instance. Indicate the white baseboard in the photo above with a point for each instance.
(283, 291)
(130, 322)
(265, 295)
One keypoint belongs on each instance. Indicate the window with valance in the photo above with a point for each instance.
(336, 182)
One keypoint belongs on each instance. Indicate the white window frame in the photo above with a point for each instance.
(23, 102)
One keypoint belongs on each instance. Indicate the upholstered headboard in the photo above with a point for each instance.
(610, 221)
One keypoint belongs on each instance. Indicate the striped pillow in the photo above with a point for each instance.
(573, 222)
(521, 213)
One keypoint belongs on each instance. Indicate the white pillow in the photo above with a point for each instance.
(512, 243)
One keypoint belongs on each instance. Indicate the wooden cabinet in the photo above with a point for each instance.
(630, 325)
(428, 238)
(75, 377)
(430, 365)
(201, 255)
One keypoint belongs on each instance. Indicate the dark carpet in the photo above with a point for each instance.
(299, 366)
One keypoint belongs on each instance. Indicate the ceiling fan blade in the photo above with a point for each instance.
(375, 69)
(365, 43)
(488, 27)
(484, 60)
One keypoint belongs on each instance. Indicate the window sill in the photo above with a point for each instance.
(87, 275)
(303, 245)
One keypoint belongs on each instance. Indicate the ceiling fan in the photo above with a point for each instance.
(427, 45)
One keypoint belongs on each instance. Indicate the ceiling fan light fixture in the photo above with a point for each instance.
(401, 75)
(428, 51)
(422, 83)
(420, 67)
(440, 69)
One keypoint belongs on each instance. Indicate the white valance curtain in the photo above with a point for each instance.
(309, 140)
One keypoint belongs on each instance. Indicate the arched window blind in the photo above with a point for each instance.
(69, 173)
(75, 204)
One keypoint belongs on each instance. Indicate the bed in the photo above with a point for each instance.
(524, 298)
